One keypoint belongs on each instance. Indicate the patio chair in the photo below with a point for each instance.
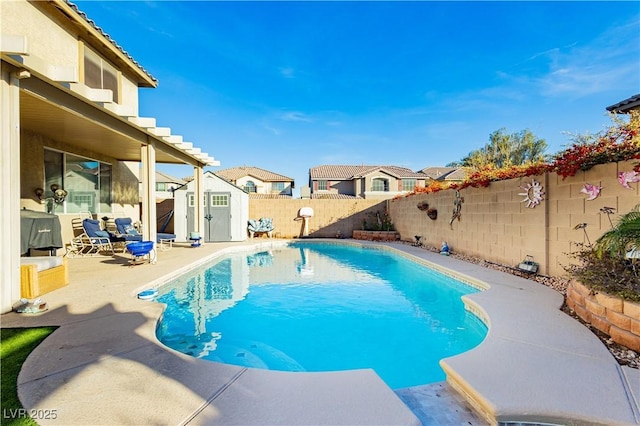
(99, 239)
(80, 244)
(260, 227)
(125, 229)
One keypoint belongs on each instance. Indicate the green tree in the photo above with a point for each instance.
(505, 150)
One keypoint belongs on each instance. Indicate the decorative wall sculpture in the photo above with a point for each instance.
(533, 193)
(625, 178)
(593, 191)
(457, 208)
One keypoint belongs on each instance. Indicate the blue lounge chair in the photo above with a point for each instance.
(98, 239)
(125, 228)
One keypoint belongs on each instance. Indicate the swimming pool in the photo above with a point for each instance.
(313, 306)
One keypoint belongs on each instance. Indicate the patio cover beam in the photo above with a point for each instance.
(70, 118)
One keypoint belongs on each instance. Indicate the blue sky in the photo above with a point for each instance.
(287, 86)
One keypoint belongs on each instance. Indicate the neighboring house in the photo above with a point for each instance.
(444, 174)
(339, 181)
(255, 180)
(166, 184)
(69, 96)
(626, 105)
(226, 210)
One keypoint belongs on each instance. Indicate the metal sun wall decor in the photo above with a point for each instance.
(593, 191)
(533, 193)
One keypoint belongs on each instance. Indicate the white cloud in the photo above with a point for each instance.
(287, 72)
(608, 61)
(295, 116)
(272, 129)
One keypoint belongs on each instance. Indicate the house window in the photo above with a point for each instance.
(162, 186)
(322, 185)
(88, 182)
(191, 200)
(277, 187)
(250, 186)
(219, 200)
(408, 184)
(100, 74)
(380, 184)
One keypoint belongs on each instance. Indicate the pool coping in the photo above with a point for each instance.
(545, 366)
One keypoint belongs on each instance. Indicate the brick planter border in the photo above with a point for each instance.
(376, 235)
(618, 318)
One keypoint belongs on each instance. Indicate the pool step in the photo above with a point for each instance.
(255, 355)
(439, 404)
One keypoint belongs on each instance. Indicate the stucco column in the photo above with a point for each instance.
(198, 219)
(148, 156)
(10, 178)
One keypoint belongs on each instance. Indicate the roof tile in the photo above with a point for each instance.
(348, 172)
(235, 173)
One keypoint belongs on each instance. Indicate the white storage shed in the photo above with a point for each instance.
(226, 210)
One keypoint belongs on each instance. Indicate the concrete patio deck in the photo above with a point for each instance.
(104, 364)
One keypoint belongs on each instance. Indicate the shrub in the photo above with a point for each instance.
(613, 275)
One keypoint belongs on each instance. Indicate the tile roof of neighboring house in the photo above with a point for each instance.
(269, 196)
(165, 178)
(626, 105)
(445, 173)
(438, 173)
(236, 173)
(333, 196)
(459, 174)
(108, 37)
(351, 172)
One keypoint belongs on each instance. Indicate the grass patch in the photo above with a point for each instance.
(15, 346)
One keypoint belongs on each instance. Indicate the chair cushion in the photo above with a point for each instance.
(102, 234)
(122, 223)
(130, 230)
(91, 226)
(165, 236)
(42, 262)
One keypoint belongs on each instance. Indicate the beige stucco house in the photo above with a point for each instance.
(257, 181)
(69, 102)
(373, 182)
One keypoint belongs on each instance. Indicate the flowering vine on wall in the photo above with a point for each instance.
(620, 142)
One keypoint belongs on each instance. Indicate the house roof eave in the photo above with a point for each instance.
(625, 105)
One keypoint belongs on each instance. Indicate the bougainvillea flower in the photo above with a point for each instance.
(625, 178)
(593, 191)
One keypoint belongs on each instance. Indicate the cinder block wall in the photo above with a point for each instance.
(496, 225)
(330, 216)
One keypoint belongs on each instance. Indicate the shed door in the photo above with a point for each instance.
(217, 216)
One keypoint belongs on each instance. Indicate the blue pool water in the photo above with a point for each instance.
(321, 307)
